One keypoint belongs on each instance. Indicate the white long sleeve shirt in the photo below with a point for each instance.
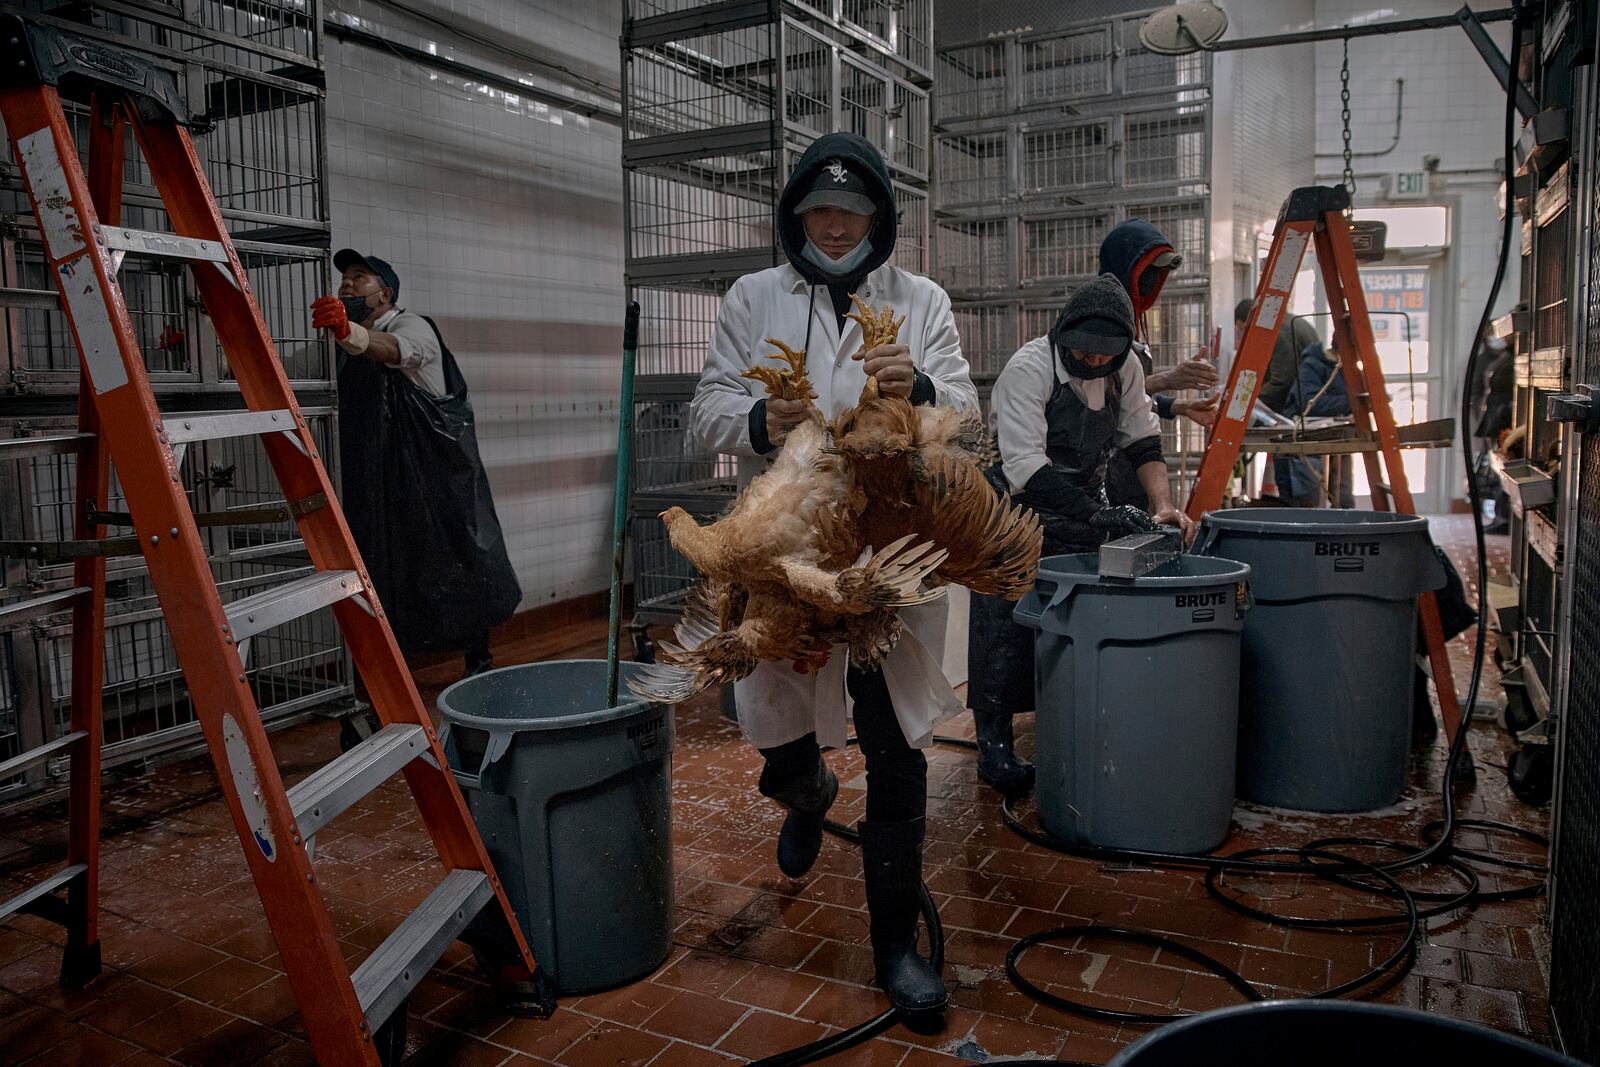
(1021, 393)
(775, 704)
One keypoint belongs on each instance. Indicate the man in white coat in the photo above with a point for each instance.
(836, 222)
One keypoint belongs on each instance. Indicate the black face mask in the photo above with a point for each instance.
(1079, 369)
(356, 308)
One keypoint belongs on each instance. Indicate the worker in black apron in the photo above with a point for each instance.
(1063, 402)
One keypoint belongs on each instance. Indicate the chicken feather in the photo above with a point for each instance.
(854, 520)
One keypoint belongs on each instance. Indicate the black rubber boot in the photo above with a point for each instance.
(999, 766)
(891, 857)
(808, 799)
(1424, 727)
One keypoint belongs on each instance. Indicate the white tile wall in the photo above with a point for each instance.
(503, 218)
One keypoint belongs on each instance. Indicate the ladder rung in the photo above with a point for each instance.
(54, 445)
(389, 974)
(51, 884)
(162, 245)
(35, 299)
(273, 607)
(21, 762)
(25, 611)
(211, 427)
(327, 793)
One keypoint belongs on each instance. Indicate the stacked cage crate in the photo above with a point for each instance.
(1043, 141)
(719, 100)
(253, 78)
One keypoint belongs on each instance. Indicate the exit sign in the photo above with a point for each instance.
(1408, 185)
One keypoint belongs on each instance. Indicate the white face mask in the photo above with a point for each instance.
(844, 265)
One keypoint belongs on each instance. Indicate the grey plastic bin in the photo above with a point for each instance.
(1325, 710)
(574, 802)
(1330, 1033)
(1137, 701)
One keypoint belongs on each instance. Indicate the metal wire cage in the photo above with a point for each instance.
(1059, 248)
(1166, 147)
(701, 206)
(972, 168)
(911, 244)
(285, 279)
(146, 703)
(40, 352)
(675, 325)
(249, 35)
(1062, 67)
(263, 151)
(976, 255)
(989, 335)
(221, 475)
(970, 81)
(1070, 158)
(665, 458)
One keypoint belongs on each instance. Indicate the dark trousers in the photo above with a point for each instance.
(897, 774)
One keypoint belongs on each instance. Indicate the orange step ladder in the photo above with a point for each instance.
(1315, 216)
(84, 246)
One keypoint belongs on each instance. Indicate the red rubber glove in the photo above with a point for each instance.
(327, 313)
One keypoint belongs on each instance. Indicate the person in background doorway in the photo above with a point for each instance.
(1061, 405)
(837, 224)
(1283, 371)
(1141, 258)
(414, 488)
(1318, 392)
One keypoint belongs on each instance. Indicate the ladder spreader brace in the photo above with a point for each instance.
(1313, 216)
(84, 245)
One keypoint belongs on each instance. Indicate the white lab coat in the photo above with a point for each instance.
(776, 704)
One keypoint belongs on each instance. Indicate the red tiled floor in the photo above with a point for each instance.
(760, 962)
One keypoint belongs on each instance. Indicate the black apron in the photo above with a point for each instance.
(419, 507)
(1000, 652)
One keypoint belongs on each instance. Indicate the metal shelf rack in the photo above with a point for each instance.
(719, 100)
(252, 74)
(1044, 140)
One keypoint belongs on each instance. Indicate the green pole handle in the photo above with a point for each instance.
(619, 514)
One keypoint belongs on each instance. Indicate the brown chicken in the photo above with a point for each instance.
(842, 530)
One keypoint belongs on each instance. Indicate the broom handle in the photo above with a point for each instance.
(619, 514)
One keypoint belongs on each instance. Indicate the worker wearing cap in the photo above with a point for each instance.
(366, 322)
(836, 222)
(1059, 407)
(414, 488)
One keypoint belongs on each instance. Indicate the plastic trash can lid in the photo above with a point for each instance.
(552, 695)
(1083, 568)
(1320, 522)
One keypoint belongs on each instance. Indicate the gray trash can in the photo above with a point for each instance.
(1330, 1033)
(1136, 701)
(574, 803)
(1325, 710)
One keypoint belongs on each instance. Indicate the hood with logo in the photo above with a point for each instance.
(856, 154)
(1127, 252)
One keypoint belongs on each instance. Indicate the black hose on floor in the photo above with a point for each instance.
(1316, 858)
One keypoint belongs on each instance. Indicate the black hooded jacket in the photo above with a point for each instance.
(858, 154)
(1123, 248)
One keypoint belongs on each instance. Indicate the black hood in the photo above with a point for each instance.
(1126, 244)
(856, 152)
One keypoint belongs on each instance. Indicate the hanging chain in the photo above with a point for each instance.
(1344, 116)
